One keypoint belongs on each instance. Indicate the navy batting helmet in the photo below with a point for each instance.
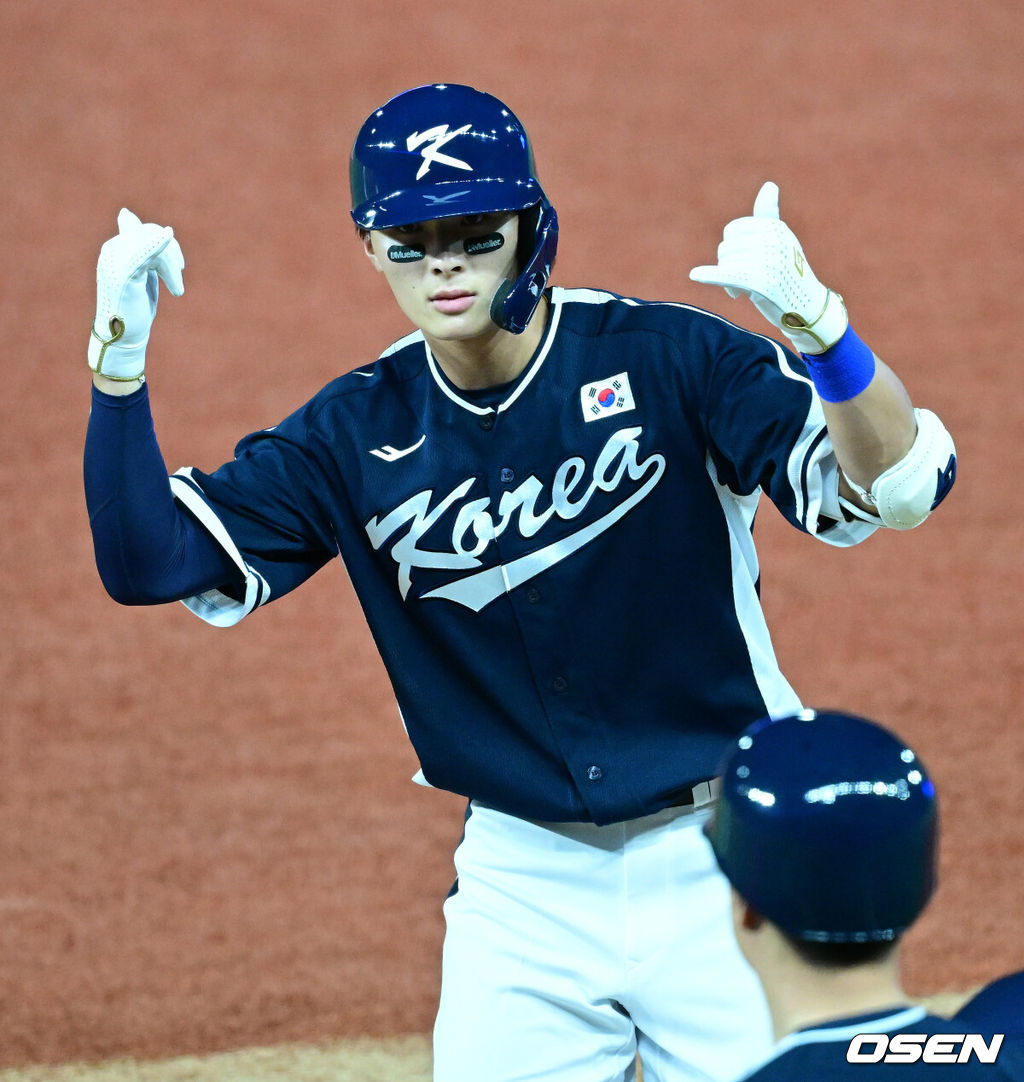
(444, 151)
(827, 826)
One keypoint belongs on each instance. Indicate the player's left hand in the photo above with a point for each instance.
(760, 258)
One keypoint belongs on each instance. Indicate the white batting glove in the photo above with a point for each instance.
(127, 289)
(760, 258)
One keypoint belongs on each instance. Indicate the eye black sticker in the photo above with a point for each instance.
(406, 253)
(491, 243)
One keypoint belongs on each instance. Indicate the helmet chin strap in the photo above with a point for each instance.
(515, 302)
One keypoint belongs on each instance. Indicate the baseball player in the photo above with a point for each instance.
(827, 830)
(544, 498)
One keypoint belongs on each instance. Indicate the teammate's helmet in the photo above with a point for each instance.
(827, 826)
(443, 151)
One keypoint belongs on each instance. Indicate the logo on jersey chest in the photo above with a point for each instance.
(606, 398)
(618, 469)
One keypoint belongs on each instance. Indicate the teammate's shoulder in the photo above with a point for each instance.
(997, 1004)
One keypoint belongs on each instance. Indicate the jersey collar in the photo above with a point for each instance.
(846, 1029)
(517, 386)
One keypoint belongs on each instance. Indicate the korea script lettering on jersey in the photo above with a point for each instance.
(475, 527)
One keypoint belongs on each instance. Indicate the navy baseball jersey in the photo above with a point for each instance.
(821, 1052)
(999, 1006)
(559, 573)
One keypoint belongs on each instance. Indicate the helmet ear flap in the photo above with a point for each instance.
(528, 221)
(515, 302)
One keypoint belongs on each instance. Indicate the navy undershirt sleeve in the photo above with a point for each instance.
(149, 549)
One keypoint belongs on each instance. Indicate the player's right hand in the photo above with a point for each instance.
(128, 275)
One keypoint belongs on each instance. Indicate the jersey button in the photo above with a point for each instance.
(560, 683)
(533, 595)
(507, 476)
(595, 773)
(487, 422)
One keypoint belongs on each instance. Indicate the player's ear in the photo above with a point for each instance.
(752, 920)
(743, 913)
(367, 242)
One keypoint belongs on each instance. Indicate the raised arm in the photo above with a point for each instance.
(897, 463)
(148, 550)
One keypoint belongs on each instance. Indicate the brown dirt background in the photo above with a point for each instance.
(208, 839)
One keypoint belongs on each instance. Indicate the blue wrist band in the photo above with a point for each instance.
(843, 371)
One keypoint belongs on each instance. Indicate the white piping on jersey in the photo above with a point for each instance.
(432, 365)
(799, 464)
(588, 296)
(891, 1023)
(556, 311)
(412, 336)
(779, 697)
(214, 607)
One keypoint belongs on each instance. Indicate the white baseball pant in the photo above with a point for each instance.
(570, 947)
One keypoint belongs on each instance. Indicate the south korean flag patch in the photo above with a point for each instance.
(606, 398)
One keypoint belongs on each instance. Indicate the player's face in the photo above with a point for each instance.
(444, 273)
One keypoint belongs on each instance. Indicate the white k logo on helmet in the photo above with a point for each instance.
(434, 139)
